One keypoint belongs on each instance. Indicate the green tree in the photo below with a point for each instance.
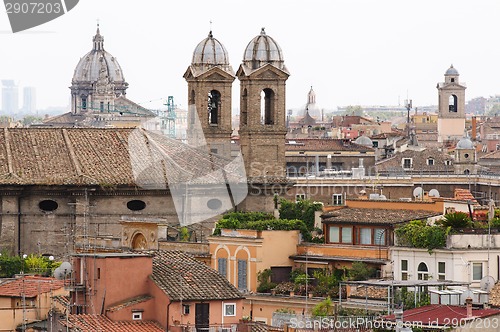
(31, 119)
(361, 271)
(456, 220)
(264, 279)
(354, 110)
(418, 234)
(303, 209)
(324, 308)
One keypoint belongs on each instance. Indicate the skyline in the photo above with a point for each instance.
(350, 52)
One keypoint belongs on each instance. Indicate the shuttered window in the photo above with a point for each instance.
(242, 274)
(222, 266)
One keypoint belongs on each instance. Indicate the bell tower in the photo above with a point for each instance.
(451, 109)
(263, 76)
(210, 79)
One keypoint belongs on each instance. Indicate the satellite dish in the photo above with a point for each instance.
(382, 198)
(433, 193)
(59, 274)
(487, 283)
(66, 266)
(417, 192)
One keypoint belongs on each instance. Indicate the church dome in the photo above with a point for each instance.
(364, 140)
(88, 68)
(210, 52)
(465, 143)
(452, 71)
(261, 50)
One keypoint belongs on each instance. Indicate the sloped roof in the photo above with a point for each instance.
(92, 323)
(112, 156)
(182, 277)
(30, 286)
(375, 216)
(128, 302)
(492, 155)
(324, 144)
(419, 160)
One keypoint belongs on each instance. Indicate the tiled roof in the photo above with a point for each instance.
(129, 302)
(375, 216)
(30, 286)
(491, 155)
(99, 323)
(419, 160)
(323, 144)
(113, 156)
(464, 195)
(182, 277)
(441, 315)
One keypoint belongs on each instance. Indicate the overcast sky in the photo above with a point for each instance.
(351, 51)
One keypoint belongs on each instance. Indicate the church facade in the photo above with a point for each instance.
(66, 190)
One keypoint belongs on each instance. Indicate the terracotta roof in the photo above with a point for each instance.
(464, 195)
(375, 216)
(31, 286)
(113, 156)
(323, 144)
(93, 323)
(182, 277)
(441, 315)
(129, 302)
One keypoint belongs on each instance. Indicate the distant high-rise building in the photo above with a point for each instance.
(10, 97)
(29, 100)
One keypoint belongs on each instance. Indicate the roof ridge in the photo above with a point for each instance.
(72, 154)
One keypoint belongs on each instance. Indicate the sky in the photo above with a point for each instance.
(352, 52)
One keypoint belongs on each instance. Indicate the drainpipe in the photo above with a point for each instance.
(19, 225)
(168, 314)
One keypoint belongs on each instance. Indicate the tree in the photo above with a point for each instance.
(30, 119)
(324, 308)
(456, 220)
(303, 209)
(354, 110)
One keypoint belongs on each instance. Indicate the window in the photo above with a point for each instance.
(477, 271)
(423, 271)
(98, 273)
(84, 103)
(447, 162)
(379, 236)
(365, 236)
(346, 235)
(242, 274)
(452, 80)
(267, 106)
(213, 107)
(337, 199)
(452, 103)
(48, 205)
(137, 316)
(430, 161)
(101, 106)
(185, 309)
(136, 205)
(404, 269)
(334, 234)
(229, 309)
(466, 172)
(222, 266)
(340, 234)
(300, 197)
(375, 144)
(407, 163)
(466, 155)
(441, 271)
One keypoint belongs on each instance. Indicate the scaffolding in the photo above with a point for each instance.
(168, 121)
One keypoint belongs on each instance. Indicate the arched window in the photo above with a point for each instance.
(267, 107)
(244, 108)
(423, 271)
(466, 172)
(213, 107)
(84, 103)
(192, 108)
(452, 103)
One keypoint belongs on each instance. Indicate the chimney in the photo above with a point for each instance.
(468, 305)
(474, 124)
